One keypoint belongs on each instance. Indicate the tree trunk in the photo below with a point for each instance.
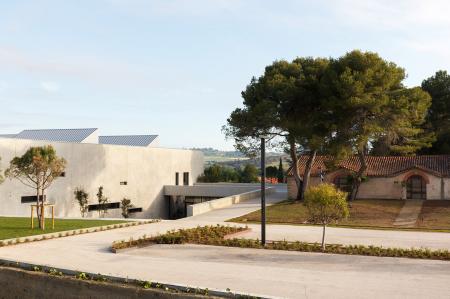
(298, 181)
(38, 206)
(357, 180)
(323, 237)
(307, 173)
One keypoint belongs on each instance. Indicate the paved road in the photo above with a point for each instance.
(270, 273)
(385, 238)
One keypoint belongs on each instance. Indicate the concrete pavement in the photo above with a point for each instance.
(264, 272)
(337, 235)
(261, 272)
(409, 213)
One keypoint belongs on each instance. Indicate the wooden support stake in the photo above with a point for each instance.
(32, 216)
(43, 217)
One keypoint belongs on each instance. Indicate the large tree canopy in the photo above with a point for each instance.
(404, 134)
(369, 102)
(341, 106)
(284, 104)
(438, 118)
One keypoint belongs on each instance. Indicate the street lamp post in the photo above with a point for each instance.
(263, 191)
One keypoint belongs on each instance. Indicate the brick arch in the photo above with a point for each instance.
(333, 175)
(416, 172)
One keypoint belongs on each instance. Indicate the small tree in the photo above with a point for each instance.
(102, 202)
(126, 204)
(82, 197)
(217, 173)
(280, 174)
(37, 169)
(271, 171)
(249, 174)
(326, 204)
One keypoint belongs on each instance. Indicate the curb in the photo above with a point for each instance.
(69, 233)
(234, 235)
(177, 287)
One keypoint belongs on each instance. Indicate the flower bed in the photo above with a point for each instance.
(215, 235)
(198, 235)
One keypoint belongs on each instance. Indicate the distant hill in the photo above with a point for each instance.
(211, 152)
(237, 159)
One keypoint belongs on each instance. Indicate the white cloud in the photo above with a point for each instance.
(50, 86)
(92, 69)
(388, 14)
(412, 29)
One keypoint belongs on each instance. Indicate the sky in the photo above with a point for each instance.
(176, 68)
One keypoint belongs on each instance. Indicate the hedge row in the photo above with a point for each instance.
(215, 235)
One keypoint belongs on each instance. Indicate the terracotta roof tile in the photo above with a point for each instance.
(384, 165)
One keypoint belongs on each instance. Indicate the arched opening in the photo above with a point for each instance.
(343, 183)
(416, 187)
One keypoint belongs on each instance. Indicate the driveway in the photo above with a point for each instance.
(385, 238)
(253, 271)
(263, 272)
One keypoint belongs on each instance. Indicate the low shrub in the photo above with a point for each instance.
(55, 272)
(82, 276)
(213, 235)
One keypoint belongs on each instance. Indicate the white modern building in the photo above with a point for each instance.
(126, 166)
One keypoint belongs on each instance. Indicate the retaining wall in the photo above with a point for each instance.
(200, 208)
(17, 283)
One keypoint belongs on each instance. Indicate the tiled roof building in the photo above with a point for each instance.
(383, 166)
(389, 177)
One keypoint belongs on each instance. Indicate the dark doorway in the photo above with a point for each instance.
(343, 183)
(416, 188)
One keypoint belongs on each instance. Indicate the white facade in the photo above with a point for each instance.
(394, 187)
(135, 172)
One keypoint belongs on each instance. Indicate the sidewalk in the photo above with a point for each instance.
(409, 213)
(270, 273)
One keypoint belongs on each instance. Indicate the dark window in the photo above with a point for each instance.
(111, 205)
(416, 188)
(177, 179)
(185, 178)
(134, 210)
(63, 174)
(32, 198)
(343, 183)
(124, 183)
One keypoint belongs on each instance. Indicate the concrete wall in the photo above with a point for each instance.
(207, 190)
(16, 283)
(145, 169)
(387, 187)
(197, 209)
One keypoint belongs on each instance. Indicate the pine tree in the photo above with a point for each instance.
(280, 172)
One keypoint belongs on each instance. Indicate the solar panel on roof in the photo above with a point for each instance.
(64, 135)
(130, 140)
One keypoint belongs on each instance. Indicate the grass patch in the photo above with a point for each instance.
(435, 215)
(215, 235)
(363, 213)
(16, 227)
